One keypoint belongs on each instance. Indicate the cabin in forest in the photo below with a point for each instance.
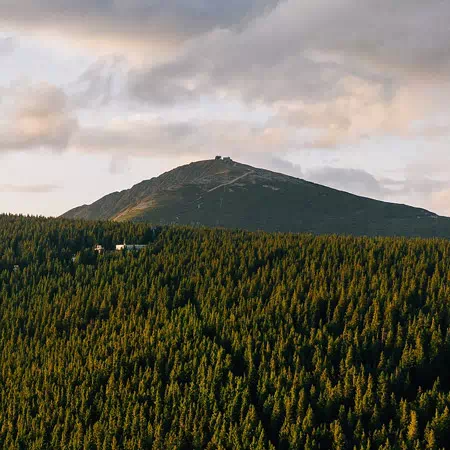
(121, 247)
(99, 249)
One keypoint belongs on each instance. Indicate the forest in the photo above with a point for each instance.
(220, 339)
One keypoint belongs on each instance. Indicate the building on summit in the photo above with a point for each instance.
(223, 158)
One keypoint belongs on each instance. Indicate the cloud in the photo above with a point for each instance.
(347, 71)
(352, 180)
(406, 36)
(130, 23)
(360, 110)
(339, 70)
(134, 137)
(420, 190)
(99, 84)
(7, 45)
(441, 201)
(253, 66)
(29, 189)
(45, 116)
(281, 165)
(196, 138)
(40, 118)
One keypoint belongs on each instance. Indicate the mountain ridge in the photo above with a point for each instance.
(225, 193)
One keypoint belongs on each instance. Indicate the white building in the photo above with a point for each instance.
(124, 246)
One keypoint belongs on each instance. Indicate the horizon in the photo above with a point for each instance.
(96, 98)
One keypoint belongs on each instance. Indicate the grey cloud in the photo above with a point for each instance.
(281, 165)
(349, 70)
(361, 181)
(271, 162)
(157, 137)
(296, 42)
(136, 138)
(404, 35)
(94, 85)
(352, 180)
(29, 188)
(171, 21)
(100, 83)
(252, 66)
(41, 118)
(345, 70)
(424, 191)
(422, 186)
(8, 45)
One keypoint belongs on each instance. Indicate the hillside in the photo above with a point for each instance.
(219, 339)
(228, 194)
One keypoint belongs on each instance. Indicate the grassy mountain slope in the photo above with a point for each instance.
(233, 195)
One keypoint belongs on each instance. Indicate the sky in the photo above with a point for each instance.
(98, 95)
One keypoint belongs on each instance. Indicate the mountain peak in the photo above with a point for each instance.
(223, 192)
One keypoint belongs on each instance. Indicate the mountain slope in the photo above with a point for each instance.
(225, 193)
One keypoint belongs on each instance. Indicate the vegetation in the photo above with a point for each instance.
(231, 195)
(215, 339)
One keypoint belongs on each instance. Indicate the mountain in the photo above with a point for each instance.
(225, 193)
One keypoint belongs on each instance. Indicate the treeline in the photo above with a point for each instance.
(214, 339)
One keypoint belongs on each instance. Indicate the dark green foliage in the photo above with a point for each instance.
(214, 339)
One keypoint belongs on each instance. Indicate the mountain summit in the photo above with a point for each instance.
(222, 192)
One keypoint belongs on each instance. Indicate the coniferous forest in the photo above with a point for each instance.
(215, 339)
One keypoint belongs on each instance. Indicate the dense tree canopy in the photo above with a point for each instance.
(214, 339)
